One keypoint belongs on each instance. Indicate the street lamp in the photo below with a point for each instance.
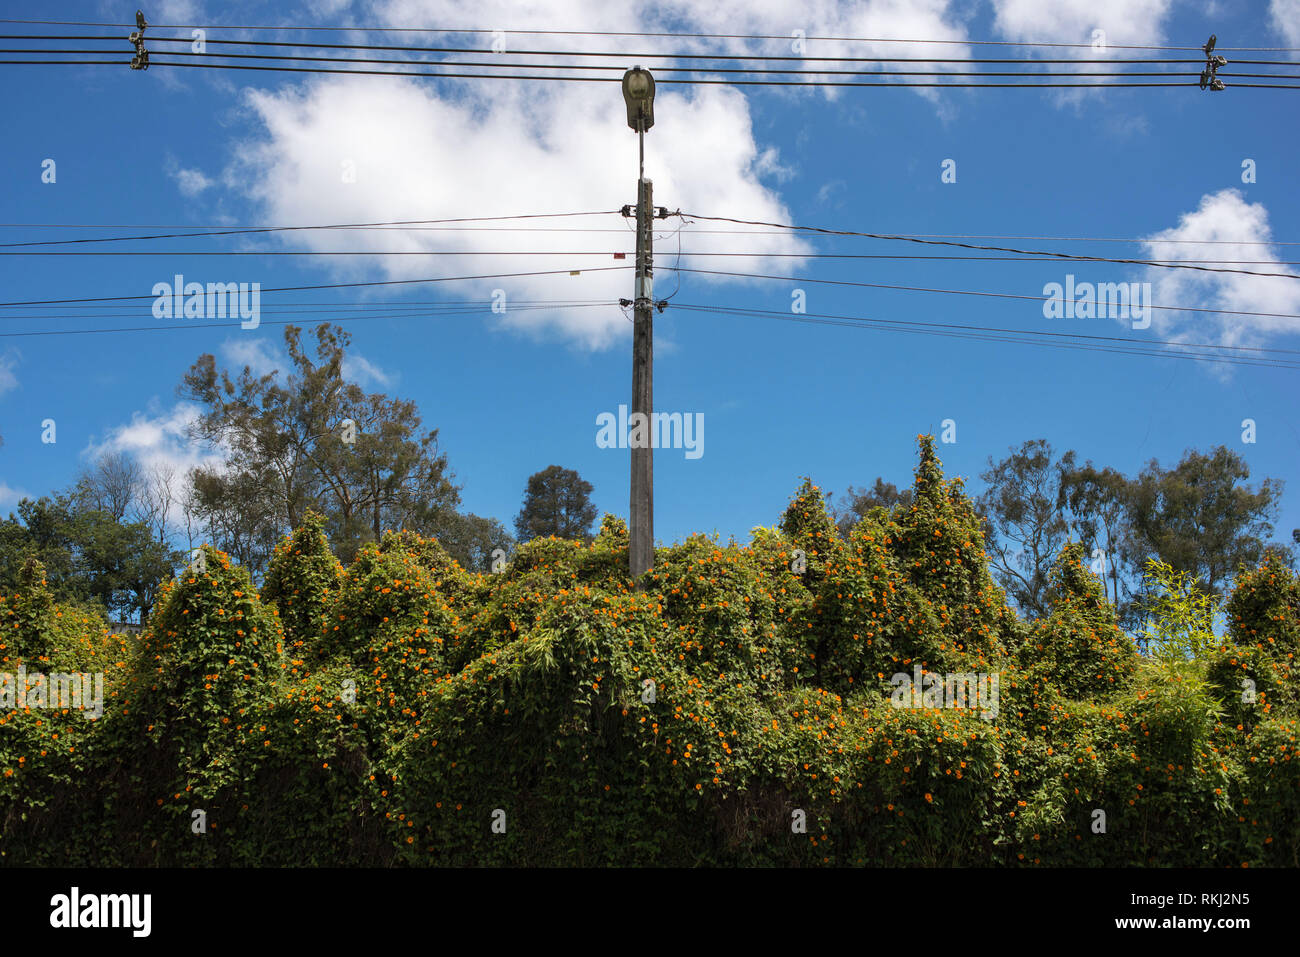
(639, 94)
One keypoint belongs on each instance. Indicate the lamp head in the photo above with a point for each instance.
(639, 94)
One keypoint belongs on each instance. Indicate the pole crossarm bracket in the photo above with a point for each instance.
(661, 212)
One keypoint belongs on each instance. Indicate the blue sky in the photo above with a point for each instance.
(514, 393)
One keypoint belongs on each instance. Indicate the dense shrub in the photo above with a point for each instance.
(302, 580)
(742, 706)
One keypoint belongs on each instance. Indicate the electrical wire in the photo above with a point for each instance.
(186, 325)
(245, 231)
(961, 292)
(618, 33)
(617, 254)
(958, 331)
(339, 285)
(1186, 264)
(581, 229)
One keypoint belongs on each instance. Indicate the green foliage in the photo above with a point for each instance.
(302, 580)
(312, 439)
(87, 553)
(1180, 616)
(1078, 649)
(557, 501)
(737, 710)
(1264, 610)
(857, 503)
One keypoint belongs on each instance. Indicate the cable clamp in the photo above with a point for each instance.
(1209, 77)
(141, 59)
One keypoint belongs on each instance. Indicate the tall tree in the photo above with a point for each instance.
(236, 513)
(1024, 524)
(857, 502)
(390, 475)
(312, 439)
(1096, 503)
(87, 554)
(471, 539)
(557, 501)
(112, 485)
(1201, 517)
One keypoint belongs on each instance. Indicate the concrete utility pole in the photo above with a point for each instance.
(638, 91)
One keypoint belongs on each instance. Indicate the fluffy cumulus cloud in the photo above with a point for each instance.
(1285, 17)
(155, 438)
(1226, 227)
(357, 368)
(159, 441)
(255, 354)
(191, 182)
(349, 150)
(1121, 22)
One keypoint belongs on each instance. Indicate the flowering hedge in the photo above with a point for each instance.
(749, 704)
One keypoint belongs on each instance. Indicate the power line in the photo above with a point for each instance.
(962, 292)
(696, 81)
(692, 81)
(620, 33)
(338, 285)
(186, 325)
(1006, 249)
(371, 305)
(623, 54)
(946, 329)
(244, 231)
(577, 229)
(402, 307)
(754, 254)
(996, 335)
(492, 69)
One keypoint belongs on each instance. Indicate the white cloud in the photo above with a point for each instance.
(262, 358)
(1243, 230)
(1101, 24)
(357, 368)
(179, 11)
(432, 150)
(191, 182)
(500, 150)
(9, 497)
(1285, 15)
(255, 353)
(1123, 22)
(8, 361)
(160, 441)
